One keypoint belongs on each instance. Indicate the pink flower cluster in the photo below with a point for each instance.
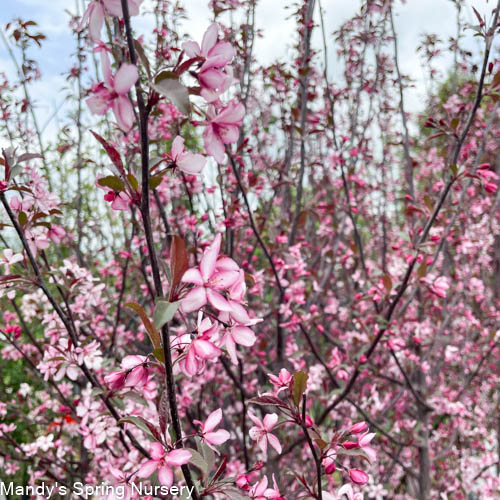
(220, 283)
(215, 77)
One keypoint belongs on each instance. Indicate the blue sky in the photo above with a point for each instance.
(55, 57)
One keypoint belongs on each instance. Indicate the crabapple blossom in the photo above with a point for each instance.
(235, 334)
(189, 163)
(222, 128)
(112, 93)
(282, 381)
(208, 433)
(215, 56)
(96, 10)
(261, 432)
(214, 274)
(9, 259)
(201, 348)
(358, 476)
(134, 373)
(163, 462)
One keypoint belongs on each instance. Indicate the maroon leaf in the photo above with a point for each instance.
(178, 264)
(112, 153)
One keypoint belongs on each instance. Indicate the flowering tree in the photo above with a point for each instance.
(227, 280)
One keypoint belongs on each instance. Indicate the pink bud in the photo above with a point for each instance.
(242, 482)
(349, 445)
(359, 427)
(490, 187)
(358, 476)
(329, 465)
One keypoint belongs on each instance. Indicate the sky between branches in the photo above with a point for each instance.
(412, 19)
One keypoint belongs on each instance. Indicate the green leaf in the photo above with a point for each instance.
(112, 182)
(422, 270)
(159, 354)
(155, 181)
(133, 182)
(22, 218)
(164, 312)
(235, 494)
(208, 455)
(454, 169)
(299, 386)
(197, 460)
(135, 397)
(167, 84)
(138, 422)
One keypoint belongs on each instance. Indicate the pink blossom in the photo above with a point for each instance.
(215, 56)
(37, 239)
(134, 373)
(236, 334)
(274, 492)
(163, 462)
(261, 432)
(112, 93)
(235, 296)
(214, 273)
(9, 259)
(358, 476)
(119, 200)
(258, 490)
(96, 10)
(359, 427)
(200, 348)
(56, 233)
(121, 478)
(189, 163)
(282, 381)
(208, 435)
(440, 286)
(329, 465)
(223, 128)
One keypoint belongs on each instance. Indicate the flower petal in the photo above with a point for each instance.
(178, 457)
(212, 421)
(209, 39)
(217, 438)
(207, 265)
(213, 144)
(96, 20)
(192, 49)
(217, 300)
(157, 451)
(193, 275)
(166, 476)
(191, 163)
(147, 468)
(205, 349)
(125, 78)
(194, 300)
(270, 421)
(243, 335)
(274, 442)
(124, 113)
